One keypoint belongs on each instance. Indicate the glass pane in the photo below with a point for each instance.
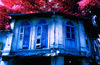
(46, 27)
(27, 29)
(87, 44)
(44, 39)
(39, 30)
(73, 36)
(25, 23)
(26, 37)
(72, 30)
(21, 36)
(25, 41)
(38, 41)
(42, 21)
(25, 47)
(67, 29)
(68, 35)
(38, 45)
(69, 23)
(22, 29)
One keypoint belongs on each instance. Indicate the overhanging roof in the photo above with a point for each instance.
(87, 20)
(48, 14)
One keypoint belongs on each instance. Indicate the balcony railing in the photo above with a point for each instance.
(47, 52)
(39, 52)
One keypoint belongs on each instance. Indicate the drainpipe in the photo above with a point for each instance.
(54, 43)
(53, 50)
(79, 38)
(93, 20)
(54, 28)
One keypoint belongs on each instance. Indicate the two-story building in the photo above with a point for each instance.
(4, 39)
(49, 38)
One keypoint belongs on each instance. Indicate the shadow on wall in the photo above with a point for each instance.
(32, 61)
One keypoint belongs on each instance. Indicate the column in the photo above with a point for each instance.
(57, 60)
(85, 62)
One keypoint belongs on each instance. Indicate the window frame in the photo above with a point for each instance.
(39, 37)
(22, 26)
(70, 31)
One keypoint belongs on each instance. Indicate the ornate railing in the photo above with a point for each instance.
(39, 52)
(47, 52)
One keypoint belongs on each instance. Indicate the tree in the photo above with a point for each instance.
(73, 7)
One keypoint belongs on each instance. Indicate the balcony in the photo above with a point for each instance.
(37, 52)
(46, 52)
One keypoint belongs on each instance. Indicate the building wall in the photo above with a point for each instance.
(3, 39)
(56, 33)
(56, 36)
(84, 39)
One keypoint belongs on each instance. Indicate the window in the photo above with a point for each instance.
(42, 35)
(24, 34)
(87, 44)
(70, 31)
(70, 42)
(96, 49)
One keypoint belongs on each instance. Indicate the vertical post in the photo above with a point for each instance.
(54, 28)
(4, 63)
(79, 39)
(60, 60)
(57, 60)
(11, 62)
(53, 60)
(84, 62)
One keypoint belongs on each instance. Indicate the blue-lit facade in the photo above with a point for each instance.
(48, 38)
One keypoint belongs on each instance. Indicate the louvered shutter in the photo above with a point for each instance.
(44, 38)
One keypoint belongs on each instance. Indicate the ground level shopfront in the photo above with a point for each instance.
(48, 60)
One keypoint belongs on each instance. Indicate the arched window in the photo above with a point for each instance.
(42, 34)
(70, 30)
(24, 34)
(70, 36)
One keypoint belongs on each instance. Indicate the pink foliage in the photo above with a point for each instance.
(33, 6)
(84, 4)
